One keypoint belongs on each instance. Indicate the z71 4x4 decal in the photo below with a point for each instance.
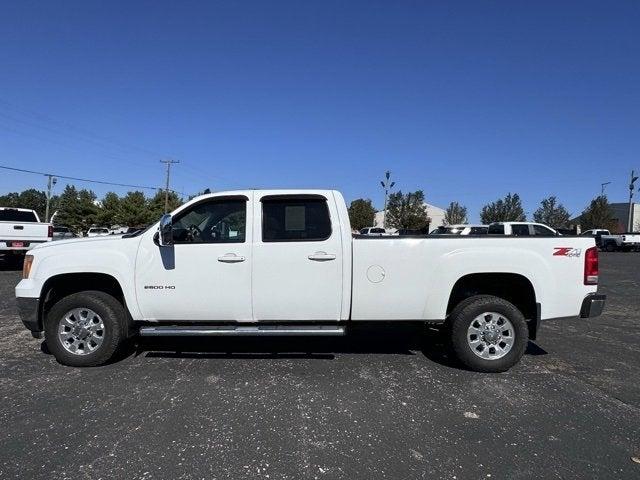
(566, 252)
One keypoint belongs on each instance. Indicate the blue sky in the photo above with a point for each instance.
(465, 100)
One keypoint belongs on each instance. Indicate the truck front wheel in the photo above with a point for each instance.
(85, 329)
(488, 333)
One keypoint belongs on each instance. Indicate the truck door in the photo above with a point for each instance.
(297, 262)
(206, 274)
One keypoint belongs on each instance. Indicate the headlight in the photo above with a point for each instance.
(26, 266)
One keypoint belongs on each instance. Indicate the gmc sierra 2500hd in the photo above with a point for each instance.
(284, 262)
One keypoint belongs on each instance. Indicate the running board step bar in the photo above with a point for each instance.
(242, 331)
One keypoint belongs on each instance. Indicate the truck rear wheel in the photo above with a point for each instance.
(489, 334)
(85, 329)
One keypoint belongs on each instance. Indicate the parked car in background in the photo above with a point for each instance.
(624, 242)
(411, 232)
(62, 233)
(21, 230)
(97, 232)
(461, 229)
(375, 231)
(596, 233)
(522, 229)
(284, 262)
(118, 230)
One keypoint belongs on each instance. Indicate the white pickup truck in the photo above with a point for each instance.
(284, 262)
(21, 230)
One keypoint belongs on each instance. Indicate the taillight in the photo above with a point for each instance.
(591, 266)
(50, 231)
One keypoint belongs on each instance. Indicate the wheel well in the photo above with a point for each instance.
(512, 287)
(60, 286)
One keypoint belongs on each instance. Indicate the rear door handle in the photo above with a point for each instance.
(230, 258)
(321, 257)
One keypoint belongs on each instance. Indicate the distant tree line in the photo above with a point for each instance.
(80, 209)
(409, 211)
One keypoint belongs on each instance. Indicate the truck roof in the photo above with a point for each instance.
(18, 209)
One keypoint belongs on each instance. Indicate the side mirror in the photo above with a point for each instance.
(165, 230)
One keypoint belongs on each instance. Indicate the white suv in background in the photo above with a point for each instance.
(461, 229)
(97, 232)
(522, 229)
(374, 231)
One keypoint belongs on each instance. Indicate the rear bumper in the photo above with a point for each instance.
(6, 245)
(28, 311)
(592, 305)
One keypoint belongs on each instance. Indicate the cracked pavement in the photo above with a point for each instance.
(373, 405)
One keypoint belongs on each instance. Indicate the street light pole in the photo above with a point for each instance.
(387, 185)
(630, 219)
(602, 187)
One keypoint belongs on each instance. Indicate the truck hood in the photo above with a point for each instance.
(80, 241)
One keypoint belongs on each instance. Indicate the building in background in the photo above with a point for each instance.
(436, 214)
(621, 215)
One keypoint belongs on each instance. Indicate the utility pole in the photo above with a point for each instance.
(168, 162)
(51, 181)
(602, 187)
(630, 220)
(387, 185)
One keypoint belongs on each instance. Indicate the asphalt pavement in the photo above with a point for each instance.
(372, 405)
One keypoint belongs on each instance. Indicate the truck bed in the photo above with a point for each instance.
(411, 277)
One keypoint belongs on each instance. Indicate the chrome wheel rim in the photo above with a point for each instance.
(490, 335)
(81, 331)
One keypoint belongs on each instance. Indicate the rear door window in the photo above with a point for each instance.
(11, 215)
(520, 230)
(496, 229)
(293, 218)
(542, 231)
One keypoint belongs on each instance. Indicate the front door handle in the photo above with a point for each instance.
(230, 258)
(321, 257)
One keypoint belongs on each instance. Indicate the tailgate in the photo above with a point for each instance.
(24, 231)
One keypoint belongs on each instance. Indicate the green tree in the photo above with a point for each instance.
(109, 213)
(31, 198)
(508, 209)
(361, 213)
(407, 211)
(455, 214)
(156, 205)
(598, 215)
(552, 213)
(9, 200)
(76, 209)
(134, 209)
(206, 191)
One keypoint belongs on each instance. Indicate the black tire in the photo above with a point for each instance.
(110, 311)
(610, 247)
(460, 321)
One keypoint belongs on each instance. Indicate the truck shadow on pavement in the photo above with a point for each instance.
(433, 345)
(10, 263)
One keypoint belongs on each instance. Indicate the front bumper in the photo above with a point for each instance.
(28, 311)
(592, 305)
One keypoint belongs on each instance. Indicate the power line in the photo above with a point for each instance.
(87, 180)
(60, 125)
